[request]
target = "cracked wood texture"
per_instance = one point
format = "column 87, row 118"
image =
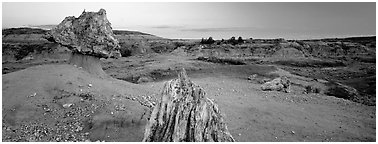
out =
column 186, row 114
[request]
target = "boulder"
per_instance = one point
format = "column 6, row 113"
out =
column 184, row 113
column 277, row 84
column 89, row 34
column 89, row 37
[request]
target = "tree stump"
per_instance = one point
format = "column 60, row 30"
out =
column 186, row 114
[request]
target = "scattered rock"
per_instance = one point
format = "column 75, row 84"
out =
column 277, row 84
column 258, row 79
column 188, row 113
column 33, row 95
column 252, row 77
column 120, row 108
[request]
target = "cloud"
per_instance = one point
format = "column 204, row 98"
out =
column 221, row 29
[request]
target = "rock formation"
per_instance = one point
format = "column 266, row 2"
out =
column 90, row 37
column 277, row 84
column 185, row 114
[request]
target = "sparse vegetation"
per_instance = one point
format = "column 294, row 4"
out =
column 22, row 50
column 86, row 96
column 17, row 31
column 210, row 40
column 311, row 89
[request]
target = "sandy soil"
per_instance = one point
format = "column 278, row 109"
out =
column 101, row 109
column 112, row 113
column 255, row 115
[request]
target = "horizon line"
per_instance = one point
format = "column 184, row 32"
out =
column 327, row 37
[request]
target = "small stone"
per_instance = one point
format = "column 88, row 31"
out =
column 33, row 95
column 79, row 128
column 89, row 85
column 293, row 132
column 67, row 105
column 239, row 134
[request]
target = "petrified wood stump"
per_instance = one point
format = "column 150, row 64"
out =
column 186, row 114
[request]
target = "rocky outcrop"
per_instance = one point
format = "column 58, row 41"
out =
column 89, row 34
column 90, row 37
column 277, row 84
column 186, row 114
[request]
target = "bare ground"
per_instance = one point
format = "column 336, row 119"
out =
column 108, row 109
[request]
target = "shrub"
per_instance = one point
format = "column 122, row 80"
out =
column 125, row 52
column 240, row 40
column 311, row 89
column 210, row 40
column 86, row 96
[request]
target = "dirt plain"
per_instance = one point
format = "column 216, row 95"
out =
column 46, row 99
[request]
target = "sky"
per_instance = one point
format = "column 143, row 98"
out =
column 289, row 20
